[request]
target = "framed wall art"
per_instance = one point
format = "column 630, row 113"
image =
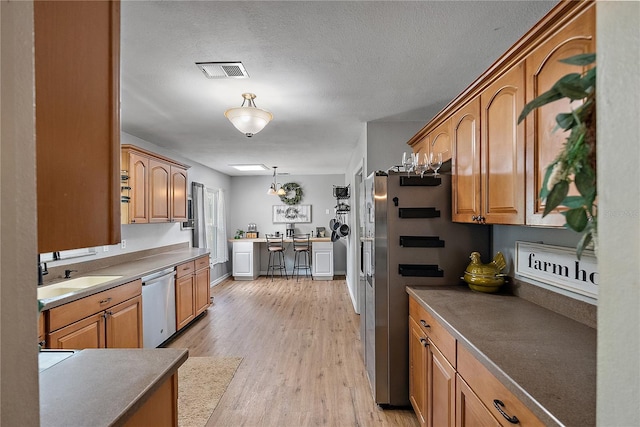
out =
column 296, row 213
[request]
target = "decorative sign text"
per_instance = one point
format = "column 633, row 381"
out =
column 558, row 266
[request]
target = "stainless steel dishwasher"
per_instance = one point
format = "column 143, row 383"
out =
column 158, row 307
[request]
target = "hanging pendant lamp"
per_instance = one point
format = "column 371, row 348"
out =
column 273, row 189
column 248, row 119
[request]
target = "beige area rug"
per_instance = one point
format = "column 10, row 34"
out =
column 201, row 383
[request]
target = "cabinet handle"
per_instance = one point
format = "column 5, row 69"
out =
column 424, row 342
column 425, row 324
column 133, row 220
column 499, row 405
column 474, row 218
column 105, row 301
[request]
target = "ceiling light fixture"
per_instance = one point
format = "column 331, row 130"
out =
column 250, row 167
column 250, row 119
column 273, row 189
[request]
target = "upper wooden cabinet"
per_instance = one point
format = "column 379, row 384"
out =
column 154, row 188
column 502, row 150
column 77, row 74
column 544, row 142
column 440, row 140
column 497, row 164
column 465, row 162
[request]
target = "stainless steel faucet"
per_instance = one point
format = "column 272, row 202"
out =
column 67, row 273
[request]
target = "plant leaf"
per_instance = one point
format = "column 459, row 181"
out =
column 584, row 243
column 581, row 59
column 585, row 183
column 565, row 120
column 570, row 86
column 573, row 202
column 577, row 219
column 556, row 196
column 551, row 95
column 589, row 79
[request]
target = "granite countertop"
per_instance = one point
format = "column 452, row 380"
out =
column 129, row 271
column 103, row 387
column 545, row 359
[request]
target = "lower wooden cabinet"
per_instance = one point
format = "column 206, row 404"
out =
column 470, row 412
column 192, row 290
column 432, row 389
column 161, row 409
column 114, row 320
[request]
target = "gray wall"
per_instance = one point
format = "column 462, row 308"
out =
column 250, row 203
column 386, row 141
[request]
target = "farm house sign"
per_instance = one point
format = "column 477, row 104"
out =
column 558, row 266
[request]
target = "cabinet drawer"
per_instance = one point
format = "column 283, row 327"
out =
column 202, row 262
column 79, row 309
column 184, row 269
column 488, row 389
column 445, row 342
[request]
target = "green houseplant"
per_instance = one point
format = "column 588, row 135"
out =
column 576, row 162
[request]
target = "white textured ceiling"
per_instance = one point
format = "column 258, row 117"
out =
column 322, row 68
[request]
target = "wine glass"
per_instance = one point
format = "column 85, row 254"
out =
column 408, row 161
column 422, row 164
column 435, row 161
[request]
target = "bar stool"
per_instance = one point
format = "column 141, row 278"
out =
column 275, row 247
column 302, row 256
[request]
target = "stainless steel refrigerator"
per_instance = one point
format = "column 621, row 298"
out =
column 409, row 241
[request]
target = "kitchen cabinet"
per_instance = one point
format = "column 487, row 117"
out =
column 41, row 333
column 502, row 150
column 160, row 409
column 431, row 373
column 322, row 265
column 440, row 140
column 192, row 290
column 202, row 285
column 77, row 77
column 246, row 260
column 107, row 319
column 154, row 188
column 448, row 386
column 544, row 141
column 491, row 393
column 470, row 412
column 465, row 163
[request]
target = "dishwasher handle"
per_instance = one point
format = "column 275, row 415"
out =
column 157, row 276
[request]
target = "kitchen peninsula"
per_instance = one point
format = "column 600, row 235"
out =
column 246, row 257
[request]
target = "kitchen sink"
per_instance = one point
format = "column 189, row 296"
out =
column 72, row 285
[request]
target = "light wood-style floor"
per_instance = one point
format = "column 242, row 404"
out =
column 302, row 356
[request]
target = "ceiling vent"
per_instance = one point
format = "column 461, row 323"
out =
column 223, row 70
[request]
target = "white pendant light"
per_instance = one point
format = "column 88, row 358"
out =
column 273, row 189
column 250, row 119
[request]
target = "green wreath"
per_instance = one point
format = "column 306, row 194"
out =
column 291, row 199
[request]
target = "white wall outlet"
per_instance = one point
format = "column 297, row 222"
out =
column 327, row 212
column 105, row 248
column 123, row 244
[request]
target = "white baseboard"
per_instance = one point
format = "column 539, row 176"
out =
column 219, row 280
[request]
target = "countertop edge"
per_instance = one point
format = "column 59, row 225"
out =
column 536, row 407
column 148, row 392
column 181, row 256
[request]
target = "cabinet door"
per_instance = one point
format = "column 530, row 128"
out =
column 124, row 324
column 322, row 260
column 159, row 191
column 185, row 311
column 544, row 142
column 441, row 389
column 202, row 290
column 178, row 193
column 470, row 412
column 440, row 140
column 465, row 164
column 139, row 183
column 418, row 371
column 77, row 75
column 85, row 333
column 503, row 149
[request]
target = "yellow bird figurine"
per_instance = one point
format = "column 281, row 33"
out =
column 485, row 277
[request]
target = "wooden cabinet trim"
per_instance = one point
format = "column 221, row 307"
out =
column 151, row 154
